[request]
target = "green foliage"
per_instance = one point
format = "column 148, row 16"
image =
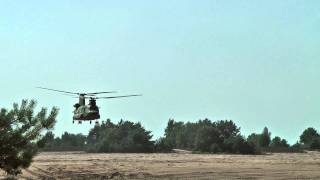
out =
column 254, row 139
column 281, row 145
column 265, row 138
column 310, row 139
column 174, row 134
column 207, row 136
column 315, row 144
column 20, row 134
column 161, row 145
column 308, row 136
column 238, row 144
column 67, row 142
column 201, row 136
column 277, row 142
column 263, row 143
column 124, row 137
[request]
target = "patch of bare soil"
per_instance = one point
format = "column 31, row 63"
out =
column 78, row 165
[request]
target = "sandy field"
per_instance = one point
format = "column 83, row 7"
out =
column 78, row 165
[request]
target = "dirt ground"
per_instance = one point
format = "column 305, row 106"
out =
column 78, row 165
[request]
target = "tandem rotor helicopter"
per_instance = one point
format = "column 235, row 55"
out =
column 88, row 112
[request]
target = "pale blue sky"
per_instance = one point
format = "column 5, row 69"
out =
column 251, row 61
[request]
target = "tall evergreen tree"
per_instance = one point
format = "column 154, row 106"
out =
column 20, row 134
column 265, row 138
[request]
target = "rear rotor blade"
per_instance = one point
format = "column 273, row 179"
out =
column 58, row 90
column 112, row 97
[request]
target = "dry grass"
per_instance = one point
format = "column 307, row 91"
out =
column 76, row 165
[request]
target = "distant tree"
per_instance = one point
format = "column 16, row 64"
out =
column 73, row 140
column 124, row 137
column 297, row 145
column 237, row 144
column 174, row 134
column 308, row 135
column 20, row 134
column 207, row 136
column 265, row 138
column 315, row 144
column 277, row 142
column 285, row 143
column 49, row 137
column 227, row 128
column 67, row 142
column 161, row 145
column 254, row 139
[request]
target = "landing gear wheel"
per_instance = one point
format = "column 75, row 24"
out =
column 90, row 122
column 73, row 122
column 80, row 122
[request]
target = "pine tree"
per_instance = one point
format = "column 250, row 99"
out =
column 265, row 138
column 20, row 134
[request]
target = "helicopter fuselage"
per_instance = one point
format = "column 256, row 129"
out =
column 84, row 112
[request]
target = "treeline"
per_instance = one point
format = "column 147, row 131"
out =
column 124, row 137
column 202, row 136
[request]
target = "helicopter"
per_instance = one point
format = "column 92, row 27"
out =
column 88, row 112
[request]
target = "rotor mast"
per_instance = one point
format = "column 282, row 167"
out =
column 82, row 100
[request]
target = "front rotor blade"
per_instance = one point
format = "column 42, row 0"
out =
column 111, row 97
column 70, row 95
column 58, row 90
column 88, row 94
